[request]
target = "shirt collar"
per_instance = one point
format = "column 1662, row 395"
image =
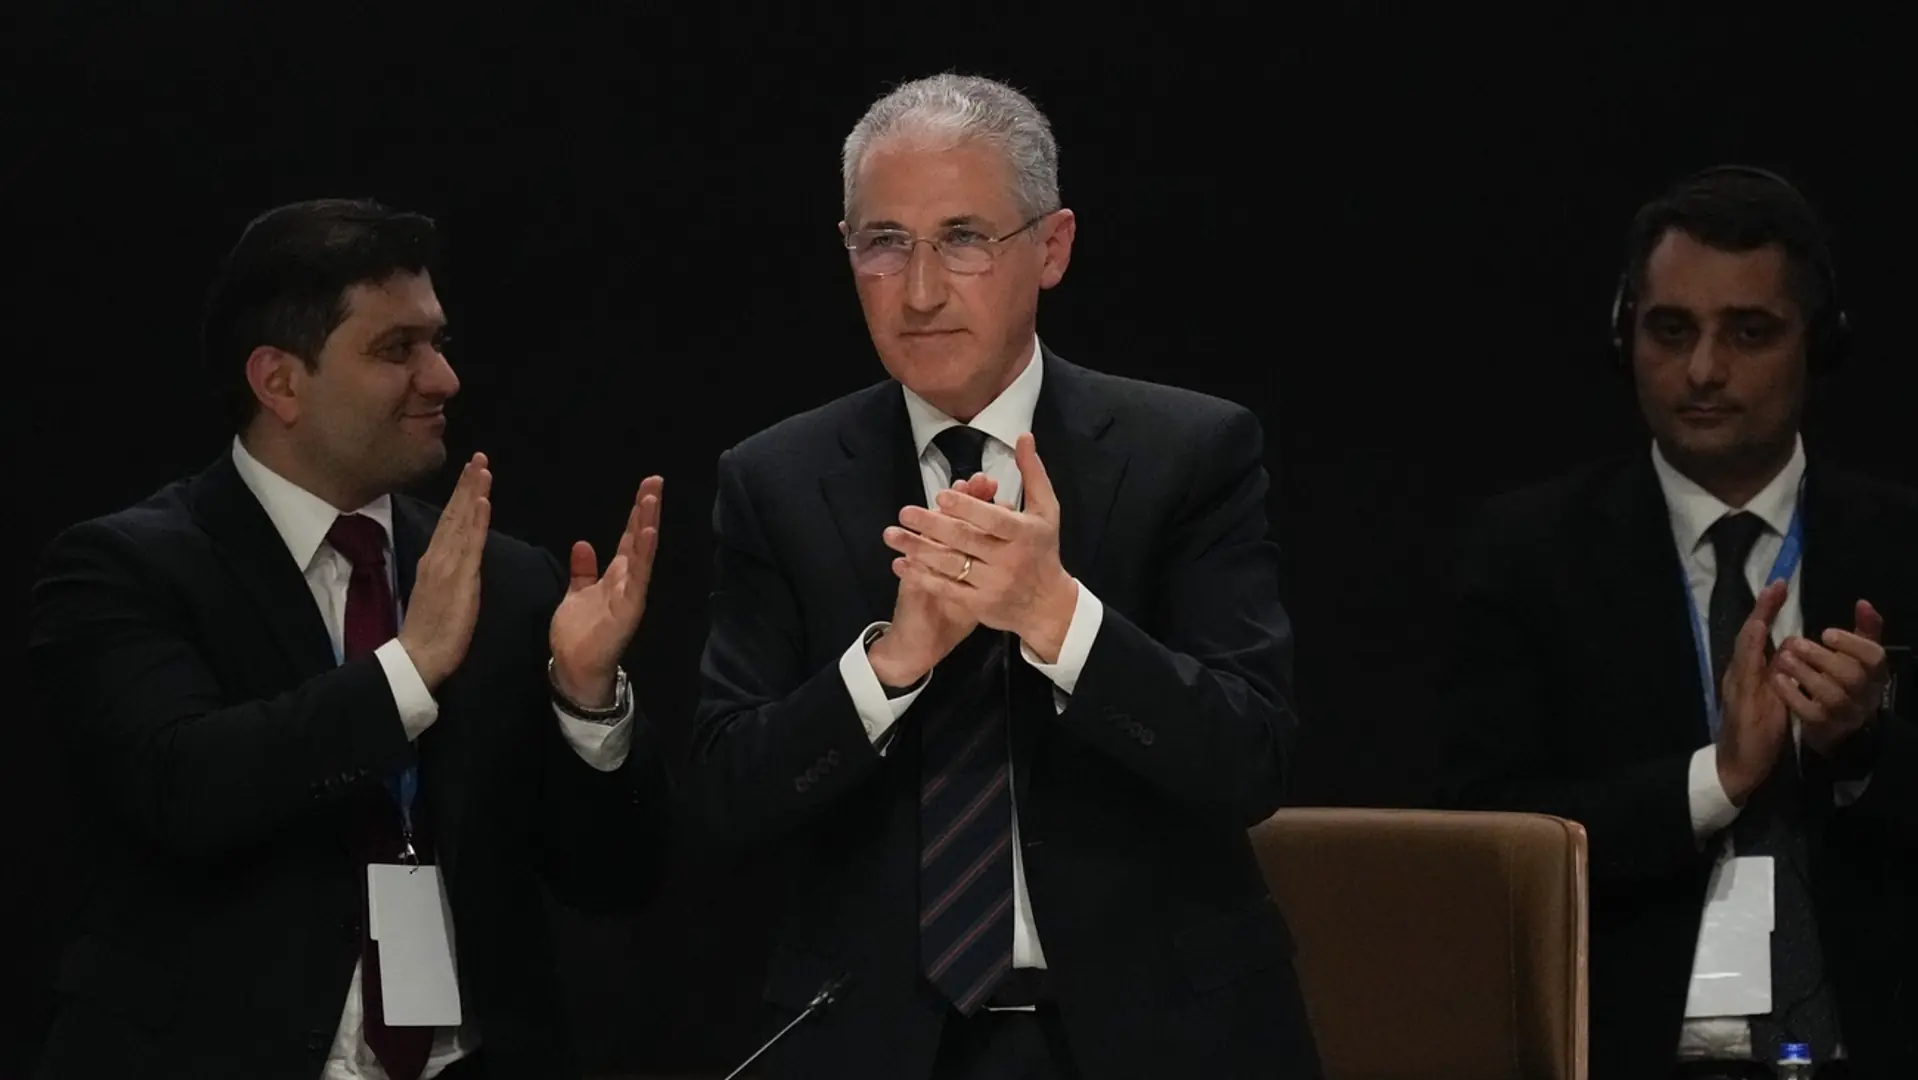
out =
column 1695, row 510
column 1008, row 417
column 302, row 518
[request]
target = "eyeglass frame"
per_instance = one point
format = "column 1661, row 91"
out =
column 912, row 244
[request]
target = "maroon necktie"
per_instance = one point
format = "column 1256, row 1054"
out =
column 372, row 621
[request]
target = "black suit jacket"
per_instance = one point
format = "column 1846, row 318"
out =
column 218, row 750
column 1165, row 949
column 1573, row 689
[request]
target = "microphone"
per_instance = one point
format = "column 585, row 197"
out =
column 828, row 993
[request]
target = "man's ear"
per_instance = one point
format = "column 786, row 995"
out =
column 1060, row 231
column 274, row 375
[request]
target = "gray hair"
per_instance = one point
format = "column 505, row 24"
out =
column 947, row 110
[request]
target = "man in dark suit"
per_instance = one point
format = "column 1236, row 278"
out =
column 1010, row 751
column 1685, row 651
column 278, row 680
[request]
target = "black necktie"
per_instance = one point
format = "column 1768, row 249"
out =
column 965, row 804
column 1772, row 823
column 964, row 448
column 1732, row 601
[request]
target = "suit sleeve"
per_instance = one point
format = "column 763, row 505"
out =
column 774, row 744
column 1890, row 800
column 116, row 663
column 1501, row 713
column 606, row 834
column 1202, row 707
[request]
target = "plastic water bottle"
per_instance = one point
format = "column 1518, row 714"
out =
column 1794, row 1061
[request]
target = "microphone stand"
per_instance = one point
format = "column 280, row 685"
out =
column 827, row 994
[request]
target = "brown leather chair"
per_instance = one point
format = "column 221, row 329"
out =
column 1436, row 945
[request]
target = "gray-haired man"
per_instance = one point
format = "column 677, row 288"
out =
column 1009, row 718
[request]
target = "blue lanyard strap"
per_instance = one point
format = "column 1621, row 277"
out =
column 1782, row 569
column 404, row 788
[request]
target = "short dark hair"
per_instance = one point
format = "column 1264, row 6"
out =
column 284, row 283
column 1734, row 210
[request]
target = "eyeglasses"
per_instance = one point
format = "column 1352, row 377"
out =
column 963, row 250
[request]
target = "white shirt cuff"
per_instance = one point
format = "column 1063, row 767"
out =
column 417, row 708
column 1088, row 613
column 1712, row 809
column 877, row 712
column 601, row 744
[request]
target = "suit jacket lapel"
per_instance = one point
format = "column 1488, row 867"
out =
column 256, row 555
column 412, row 530
column 1838, row 539
column 1067, row 428
column 880, row 477
column 1635, row 561
column 445, row 747
column 1840, row 547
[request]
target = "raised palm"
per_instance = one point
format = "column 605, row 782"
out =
column 600, row 612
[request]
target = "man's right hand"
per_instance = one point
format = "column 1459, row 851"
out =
column 1755, row 725
column 923, row 629
column 446, row 588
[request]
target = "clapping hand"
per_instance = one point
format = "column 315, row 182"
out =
column 601, row 612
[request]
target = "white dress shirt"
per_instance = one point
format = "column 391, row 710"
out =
column 1008, row 417
column 1693, row 512
column 303, row 519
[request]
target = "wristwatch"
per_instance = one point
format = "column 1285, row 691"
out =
column 1857, row 757
column 622, row 699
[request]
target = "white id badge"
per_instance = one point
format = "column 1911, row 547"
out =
column 1732, row 973
column 409, row 917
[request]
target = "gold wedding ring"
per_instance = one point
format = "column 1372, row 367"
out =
column 964, row 570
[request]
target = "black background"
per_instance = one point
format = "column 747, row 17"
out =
column 1394, row 239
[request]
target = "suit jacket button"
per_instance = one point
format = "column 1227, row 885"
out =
column 832, row 757
column 801, row 784
column 1146, row 736
column 318, row 1040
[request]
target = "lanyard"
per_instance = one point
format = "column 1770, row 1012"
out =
column 1782, row 568
column 403, row 788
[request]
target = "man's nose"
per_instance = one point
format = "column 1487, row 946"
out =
column 1706, row 365
column 925, row 278
column 437, row 379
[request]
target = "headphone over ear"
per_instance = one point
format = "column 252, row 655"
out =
column 1827, row 339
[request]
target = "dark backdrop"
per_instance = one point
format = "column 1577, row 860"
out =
column 1395, row 241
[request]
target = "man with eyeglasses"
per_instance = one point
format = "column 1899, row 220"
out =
column 997, row 662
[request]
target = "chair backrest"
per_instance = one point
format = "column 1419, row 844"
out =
column 1436, row 945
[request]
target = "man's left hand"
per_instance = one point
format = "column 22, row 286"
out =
column 1002, row 565
column 598, row 617
column 1836, row 687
